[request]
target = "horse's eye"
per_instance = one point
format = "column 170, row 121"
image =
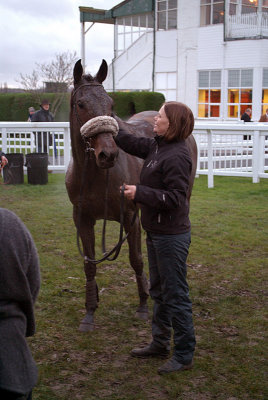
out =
column 80, row 104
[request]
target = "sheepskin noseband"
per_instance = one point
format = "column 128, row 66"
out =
column 98, row 125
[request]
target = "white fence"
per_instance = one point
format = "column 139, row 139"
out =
column 20, row 137
column 232, row 149
column 224, row 148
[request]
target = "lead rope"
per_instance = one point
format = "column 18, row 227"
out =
column 116, row 249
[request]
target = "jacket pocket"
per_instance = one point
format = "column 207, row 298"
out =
column 163, row 218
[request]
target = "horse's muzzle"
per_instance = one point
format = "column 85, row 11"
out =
column 106, row 159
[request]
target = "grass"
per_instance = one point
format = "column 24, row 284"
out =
column 227, row 277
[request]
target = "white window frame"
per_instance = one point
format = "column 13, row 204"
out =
column 209, row 87
column 264, row 106
column 166, row 11
column 211, row 4
column 240, row 88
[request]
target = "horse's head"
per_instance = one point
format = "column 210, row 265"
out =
column 90, row 100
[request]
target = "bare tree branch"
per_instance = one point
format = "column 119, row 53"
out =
column 58, row 72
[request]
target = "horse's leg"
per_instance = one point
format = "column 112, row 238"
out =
column 135, row 257
column 87, row 235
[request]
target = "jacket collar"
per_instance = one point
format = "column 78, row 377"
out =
column 160, row 140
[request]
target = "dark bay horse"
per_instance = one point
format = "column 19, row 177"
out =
column 89, row 100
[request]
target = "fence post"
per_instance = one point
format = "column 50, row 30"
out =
column 210, row 160
column 67, row 147
column 261, row 154
column 4, row 140
column 255, row 158
column 197, row 139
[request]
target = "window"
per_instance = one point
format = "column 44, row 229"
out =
column 211, row 12
column 209, row 94
column 166, row 14
column 166, row 83
column 131, row 28
column 240, row 84
column 249, row 6
column 264, row 90
column 233, row 7
column 265, row 6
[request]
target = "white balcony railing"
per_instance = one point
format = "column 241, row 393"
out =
column 224, row 148
column 242, row 26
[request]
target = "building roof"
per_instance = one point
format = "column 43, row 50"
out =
column 125, row 8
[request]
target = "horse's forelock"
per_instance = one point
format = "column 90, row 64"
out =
column 88, row 78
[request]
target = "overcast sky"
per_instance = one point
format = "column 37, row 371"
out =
column 34, row 31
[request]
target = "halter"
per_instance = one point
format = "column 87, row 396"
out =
column 73, row 96
column 85, row 84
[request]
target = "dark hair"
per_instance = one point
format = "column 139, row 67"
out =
column 181, row 121
column 44, row 102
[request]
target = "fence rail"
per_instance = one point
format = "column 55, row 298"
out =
column 232, row 149
column 224, row 148
column 247, row 25
column 21, row 137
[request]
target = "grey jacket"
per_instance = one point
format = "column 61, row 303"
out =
column 42, row 116
column 19, row 286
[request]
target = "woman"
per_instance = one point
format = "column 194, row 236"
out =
column 162, row 195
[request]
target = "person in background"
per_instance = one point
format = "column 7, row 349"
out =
column 3, row 160
column 162, row 196
column 43, row 138
column 246, row 117
column 31, row 111
column 19, row 287
column 264, row 117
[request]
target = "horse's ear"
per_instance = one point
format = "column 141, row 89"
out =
column 102, row 72
column 78, row 71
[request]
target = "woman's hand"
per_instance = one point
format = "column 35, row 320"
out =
column 130, row 191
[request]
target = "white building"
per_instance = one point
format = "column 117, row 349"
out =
column 210, row 54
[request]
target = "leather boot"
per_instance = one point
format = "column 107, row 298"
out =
column 150, row 351
column 173, row 365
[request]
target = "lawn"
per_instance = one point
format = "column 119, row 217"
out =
column 227, row 276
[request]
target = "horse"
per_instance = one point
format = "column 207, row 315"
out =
column 89, row 100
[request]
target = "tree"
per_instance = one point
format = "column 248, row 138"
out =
column 56, row 75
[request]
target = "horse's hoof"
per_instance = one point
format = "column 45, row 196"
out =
column 84, row 327
column 87, row 324
column 142, row 315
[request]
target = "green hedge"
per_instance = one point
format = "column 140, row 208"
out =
column 129, row 103
column 14, row 106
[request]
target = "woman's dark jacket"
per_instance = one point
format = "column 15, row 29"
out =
column 164, row 181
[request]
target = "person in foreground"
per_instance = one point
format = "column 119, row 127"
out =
column 162, row 195
column 19, row 287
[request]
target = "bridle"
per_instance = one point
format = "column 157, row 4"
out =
column 114, row 252
column 74, row 104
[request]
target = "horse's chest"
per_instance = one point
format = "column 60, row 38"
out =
column 95, row 202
